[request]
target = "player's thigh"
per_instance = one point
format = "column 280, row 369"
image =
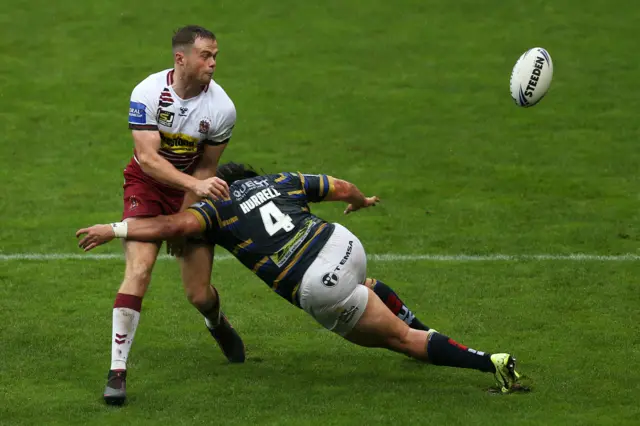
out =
column 196, row 264
column 378, row 327
column 142, row 200
column 330, row 290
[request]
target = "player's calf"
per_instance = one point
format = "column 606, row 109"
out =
column 379, row 327
column 207, row 302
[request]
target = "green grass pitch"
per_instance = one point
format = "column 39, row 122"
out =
column 409, row 99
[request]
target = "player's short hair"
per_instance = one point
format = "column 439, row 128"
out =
column 186, row 36
column 231, row 172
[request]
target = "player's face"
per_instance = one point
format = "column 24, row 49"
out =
column 201, row 60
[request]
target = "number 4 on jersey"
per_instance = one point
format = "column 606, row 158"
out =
column 274, row 220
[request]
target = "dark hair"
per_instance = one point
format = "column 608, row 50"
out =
column 231, row 172
column 186, row 36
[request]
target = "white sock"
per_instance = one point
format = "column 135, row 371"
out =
column 125, row 322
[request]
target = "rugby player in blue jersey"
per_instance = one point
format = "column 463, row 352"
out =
column 317, row 266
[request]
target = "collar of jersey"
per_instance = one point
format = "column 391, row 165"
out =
column 205, row 88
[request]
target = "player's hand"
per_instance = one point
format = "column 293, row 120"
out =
column 368, row 202
column 214, row 187
column 96, row 236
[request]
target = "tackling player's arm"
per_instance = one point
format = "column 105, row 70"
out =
column 349, row 193
column 327, row 188
column 150, row 229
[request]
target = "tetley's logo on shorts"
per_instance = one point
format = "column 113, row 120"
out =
column 137, row 113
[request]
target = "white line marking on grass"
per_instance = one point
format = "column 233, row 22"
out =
column 384, row 257
column 501, row 257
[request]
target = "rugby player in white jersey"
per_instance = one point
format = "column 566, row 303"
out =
column 317, row 266
column 181, row 121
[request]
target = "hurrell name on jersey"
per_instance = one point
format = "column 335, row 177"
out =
column 258, row 199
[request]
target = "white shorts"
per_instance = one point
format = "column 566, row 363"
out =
column 331, row 290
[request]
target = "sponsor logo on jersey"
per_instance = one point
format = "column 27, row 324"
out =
column 165, row 118
column 183, row 111
column 137, row 114
column 281, row 257
column 249, row 185
column 178, row 143
column 205, row 125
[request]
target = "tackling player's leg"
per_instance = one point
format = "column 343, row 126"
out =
column 378, row 327
column 196, row 265
column 140, row 258
column 393, row 302
column 355, row 312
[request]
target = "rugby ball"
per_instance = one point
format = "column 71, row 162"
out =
column 531, row 77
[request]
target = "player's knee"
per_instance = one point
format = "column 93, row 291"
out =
column 140, row 261
column 197, row 295
column 197, row 298
column 138, row 275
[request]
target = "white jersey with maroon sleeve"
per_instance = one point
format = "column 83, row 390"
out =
column 185, row 126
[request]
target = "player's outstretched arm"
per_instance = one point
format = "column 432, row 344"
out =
column 349, row 193
column 151, row 229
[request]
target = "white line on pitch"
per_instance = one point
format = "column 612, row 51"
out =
column 384, row 257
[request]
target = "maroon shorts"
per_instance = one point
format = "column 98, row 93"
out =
column 145, row 197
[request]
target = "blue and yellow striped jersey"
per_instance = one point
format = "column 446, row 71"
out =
column 267, row 225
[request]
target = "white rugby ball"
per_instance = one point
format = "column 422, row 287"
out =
column 531, row 77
